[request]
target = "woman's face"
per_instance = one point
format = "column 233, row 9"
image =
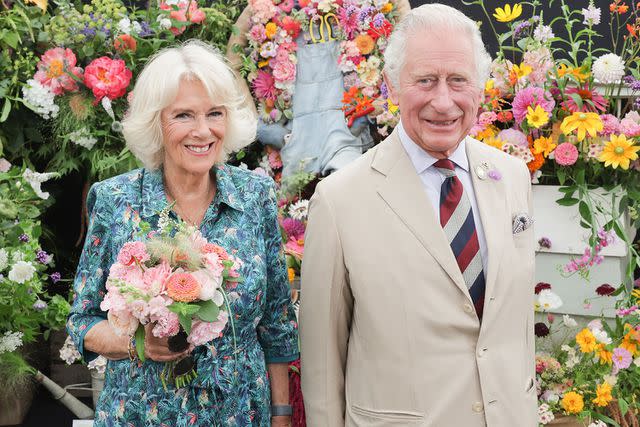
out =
column 192, row 130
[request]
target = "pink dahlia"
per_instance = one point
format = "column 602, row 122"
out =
column 107, row 77
column 610, row 124
column 258, row 33
column 348, row 17
column 566, row 154
column 531, row 96
column 264, row 86
column 293, row 228
column 592, row 101
column 630, row 124
column 54, row 68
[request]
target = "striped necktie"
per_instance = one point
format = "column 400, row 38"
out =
column 456, row 219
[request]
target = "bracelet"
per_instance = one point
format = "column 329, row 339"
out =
column 281, row 410
column 133, row 355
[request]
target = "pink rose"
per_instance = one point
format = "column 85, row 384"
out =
column 284, row 71
column 122, row 322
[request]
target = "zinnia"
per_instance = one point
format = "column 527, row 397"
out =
column 365, row 43
column 107, row 77
column 264, row 86
column 53, row 70
column 586, row 340
column 619, row 151
column 183, row 287
column 572, row 402
column 566, row 154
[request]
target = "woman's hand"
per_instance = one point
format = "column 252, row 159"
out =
column 158, row 348
column 281, row 421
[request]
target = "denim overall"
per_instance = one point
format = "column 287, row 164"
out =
column 320, row 140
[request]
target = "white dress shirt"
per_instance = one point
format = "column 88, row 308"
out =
column 432, row 181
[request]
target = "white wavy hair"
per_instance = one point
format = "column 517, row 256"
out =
column 157, row 87
column 435, row 17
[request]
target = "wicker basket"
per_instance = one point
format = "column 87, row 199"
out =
column 630, row 419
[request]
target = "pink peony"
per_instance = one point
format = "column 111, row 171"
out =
column 203, row 332
column 531, row 96
column 209, row 284
column 54, row 68
column 258, row 33
column 566, row 154
column 166, row 326
column 107, row 77
column 122, row 322
column 140, row 310
column 264, row 86
column 284, row 71
column 158, row 308
column 610, row 123
column 133, row 253
column 263, row 10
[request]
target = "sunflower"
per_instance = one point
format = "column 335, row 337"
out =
column 584, row 123
column 507, row 14
column 619, row 151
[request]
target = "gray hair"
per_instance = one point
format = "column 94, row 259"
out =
column 434, row 16
column 157, row 87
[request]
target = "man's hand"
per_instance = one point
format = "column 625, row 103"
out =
column 281, row 421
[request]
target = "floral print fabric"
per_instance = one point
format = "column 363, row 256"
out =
column 231, row 388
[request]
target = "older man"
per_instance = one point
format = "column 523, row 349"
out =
column 418, row 305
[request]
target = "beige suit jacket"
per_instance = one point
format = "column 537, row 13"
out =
column 389, row 334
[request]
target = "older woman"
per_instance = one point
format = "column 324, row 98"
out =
column 186, row 115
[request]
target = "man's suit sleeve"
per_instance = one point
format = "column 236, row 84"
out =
column 325, row 317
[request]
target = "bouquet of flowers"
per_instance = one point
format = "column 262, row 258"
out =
column 176, row 281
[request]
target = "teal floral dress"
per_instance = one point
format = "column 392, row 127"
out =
column 232, row 388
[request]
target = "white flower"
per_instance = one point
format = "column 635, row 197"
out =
column 21, row 272
column 99, row 364
column 4, row 165
column 165, row 23
column 39, row 98
column 299, row 210
column 35, row 179
column 591, row 15
column 601, row 336
column 83, row 138
column 547, row 300
column 543, row 33
column 4, row 258
column 608, row 68
column 611, row 379
column 10, row 341
column 597, row 423
column 68, row 352
column 137, row 28
column 545, row 416
column 636, row 361
column 568, row 321
column 124, row 25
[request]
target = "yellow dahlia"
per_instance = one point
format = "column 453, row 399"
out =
column 586, row 341
column 619, row 151
column 572, row 402
column 584, row 123
column 507, row 14
column 603, row 394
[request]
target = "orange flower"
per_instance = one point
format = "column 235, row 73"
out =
column 586, row 341
column 386, row 8
column 365, row 43
column 604, row 355
column 183, row 287
column 125, row 42
column 291, row 273
column 632, row 30
column 536, row 163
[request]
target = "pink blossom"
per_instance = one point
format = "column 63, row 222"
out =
column 197, row 240
column 622, row 312
column 610, row 123
column 595, row 324
column 53, row 69
column 122, row 322
column 541, row 62
column 158, row 308
column 621, row 358
column 294, row 247
column 166, row 326
column 203, row 332
column 258, row 33
column 275, row 161
column 132, row 275
column 113, row 300
column 4, row 165
column 284, row 71
column 209, row 285
column 286, row 6
column 348, row 18
column 140, row 310
column 185, row 10
column 213, row 263
column 263, row 10
column 514, row 137
column 155, row 277
column 629, row 127
column 264, row 86
column 293, row 228
column 531, row 97
column 487, row 118
column 107, row 77
column 566, row 154
column 133, row 253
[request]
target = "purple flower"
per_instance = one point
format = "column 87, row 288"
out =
column 605, row 290
column 23, row 238
column 541, row 330
column 55, row 277
column 632, row 82
column 39, row 305
column 495, row 175
column 545, row 242
column 621, row 358
column 42, row 257
column 378, row 20
column 293, row 227
column 384, row 91
column 145, row 29
column 520, row 29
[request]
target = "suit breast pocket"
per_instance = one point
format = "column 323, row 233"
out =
column 385, row 417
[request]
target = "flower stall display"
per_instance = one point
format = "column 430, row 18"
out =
column 27, row 309
column 177, row 282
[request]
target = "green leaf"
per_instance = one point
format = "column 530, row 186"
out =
column 140, row 342
column 580, row 177
column 604, row 418
column 577, row 99
column 585, row 212
column 185, row 322
column 183, row 308
column 562, row 175
column 208, row 311
column 567, row 201
column 12, row 39
column 5, row 110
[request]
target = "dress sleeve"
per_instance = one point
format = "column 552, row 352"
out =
column 93, row 269
column 278, row 328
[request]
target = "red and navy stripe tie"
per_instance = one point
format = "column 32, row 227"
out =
column 456, row 218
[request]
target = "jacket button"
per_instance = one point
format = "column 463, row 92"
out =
column 468, row 308
column 481, row 352
column 477, row 407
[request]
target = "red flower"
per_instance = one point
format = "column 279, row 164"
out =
column 125, row 42
column 384, row 30
column 605, row 290
column 542, row 286
column 107, row 77
column 541, row 330
column 505, row 116
column 184, row 14
column 291, row 26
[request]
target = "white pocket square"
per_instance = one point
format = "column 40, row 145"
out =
column 521, row 222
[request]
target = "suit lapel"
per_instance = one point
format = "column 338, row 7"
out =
column 491, row 198
column 403, row 192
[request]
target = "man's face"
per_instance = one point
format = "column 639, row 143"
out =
column 438, row 92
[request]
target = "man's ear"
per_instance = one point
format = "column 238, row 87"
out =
column 392, row 90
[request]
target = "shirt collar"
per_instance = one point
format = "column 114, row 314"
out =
column 422, row 160
column 154, row 199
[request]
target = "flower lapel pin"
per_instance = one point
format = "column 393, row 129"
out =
column 484, row 171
